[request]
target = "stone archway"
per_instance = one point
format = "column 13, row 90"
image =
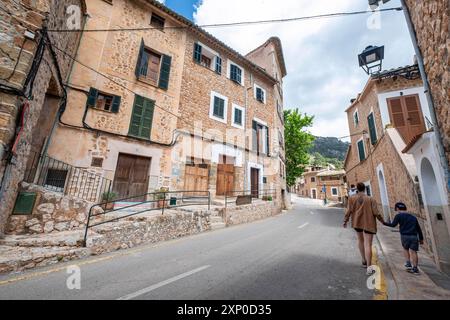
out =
column 435, row 207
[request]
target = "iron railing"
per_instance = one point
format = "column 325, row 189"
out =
column 265, row 194
column 157, row 200
column 64, row 178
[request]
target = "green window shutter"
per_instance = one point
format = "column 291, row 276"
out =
column 116, row 104
column 219, row 65
column 235, row 73
column 254, row 135
column 197, row 52
column 219, row 107
column 267, row 140
column 92, row 97
column 139, row 60
column 362, row 153
column 372, row 130
column 259, row 95
column 142, row 117
column 238, row 116
column 165, row 72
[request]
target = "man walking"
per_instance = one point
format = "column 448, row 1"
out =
column 363, row 211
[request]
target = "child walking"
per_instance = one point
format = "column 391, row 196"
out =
column 411, row 236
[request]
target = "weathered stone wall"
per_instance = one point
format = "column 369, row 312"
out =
column 13, row 166
column 52, row 212
column 248, row 213
column 431, row 23
column 127, row 234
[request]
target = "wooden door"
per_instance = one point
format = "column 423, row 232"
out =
column 225, row 179
column 196, row 179
column 131, row 178
column 314, row 193
column 254, row 182
column 406, row 116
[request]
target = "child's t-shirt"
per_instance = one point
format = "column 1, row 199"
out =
column 408, row 225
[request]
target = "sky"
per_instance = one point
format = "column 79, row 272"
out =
column 321, row 54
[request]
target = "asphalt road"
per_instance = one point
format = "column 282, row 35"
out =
column 301, row 254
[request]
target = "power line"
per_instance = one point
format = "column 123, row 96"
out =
column 233, row 24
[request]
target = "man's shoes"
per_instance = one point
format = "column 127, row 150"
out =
column 408, row 265
column 414, row 271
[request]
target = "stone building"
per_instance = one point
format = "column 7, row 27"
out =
column 430, row 27
column 387, row 117
column 31, row 76
column 169, row 107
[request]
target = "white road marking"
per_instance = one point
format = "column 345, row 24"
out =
column 161, row 284
column 312, row 212
column 303, row 225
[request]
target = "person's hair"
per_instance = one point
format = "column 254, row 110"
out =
column 361, row 187
column 352, row 186
column 400, row 206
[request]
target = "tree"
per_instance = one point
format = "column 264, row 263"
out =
column 298, row 142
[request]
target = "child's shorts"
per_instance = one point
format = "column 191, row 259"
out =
column 410, row 242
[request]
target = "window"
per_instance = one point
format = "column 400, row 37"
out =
column 334, row 191
column 207, row 58
column 56, row 179
column 356, row 118
column 97, row 162
column 238, row 117
column 372, row 128
column 260, row 137
column 235, row 73
column 103, row 101
column 157, row 21
column 361, row 150
column 218, row 107
column 313, row 179
column 368, row 189
column 260, row 94
column 142, row 117
column 153, row 68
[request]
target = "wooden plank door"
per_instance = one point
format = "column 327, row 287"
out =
column 225, row 179
column 196, row 179
column 406, row 116
column 254, row 182
column 131, row 177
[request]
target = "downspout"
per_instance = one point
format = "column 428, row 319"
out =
column 246, row 173
column 426, row 84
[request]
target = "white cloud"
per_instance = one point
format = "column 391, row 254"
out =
column 162, row 1
column 321, row 54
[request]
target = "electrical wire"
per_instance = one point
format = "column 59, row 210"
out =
column 234, row 24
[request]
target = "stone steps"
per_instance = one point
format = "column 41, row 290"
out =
column 55, row 239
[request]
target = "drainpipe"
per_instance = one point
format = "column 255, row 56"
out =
column 245, row 132
column 420, row 62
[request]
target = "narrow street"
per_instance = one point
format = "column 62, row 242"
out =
column 301, row 254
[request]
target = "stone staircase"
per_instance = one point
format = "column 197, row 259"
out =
column 216, row 220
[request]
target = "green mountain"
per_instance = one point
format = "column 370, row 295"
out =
column 328, row 150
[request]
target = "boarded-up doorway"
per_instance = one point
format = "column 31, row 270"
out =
column 196, row 179
column 132, row 176
column 225, row 176
column 254, row 182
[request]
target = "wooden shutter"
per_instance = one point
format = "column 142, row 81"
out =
column 254, row 135
column 139, row 60
column 142, row 117
column 92, row 97
column 219, row 107
column 267, row 140
column 372, row 129
column 197, row 52
column 361, row 151
column 165, row 72
column 235, row 74
column 398, row 117
column 116, row 104
column 238, row 116
column 219, row 65
column 416, row 123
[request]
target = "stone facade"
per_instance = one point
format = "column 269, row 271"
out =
column 23, row 88
column 431, row 24
column 248, row 213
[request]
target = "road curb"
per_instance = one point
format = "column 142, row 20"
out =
column 391, row 284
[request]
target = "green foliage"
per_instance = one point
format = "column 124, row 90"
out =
column 329, row 147
column 298, row 142
column 319, row 160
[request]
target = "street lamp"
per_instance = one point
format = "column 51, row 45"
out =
column 371, row 58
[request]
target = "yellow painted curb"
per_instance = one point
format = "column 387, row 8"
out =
column 380, row 294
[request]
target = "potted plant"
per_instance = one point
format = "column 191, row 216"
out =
column 108, row 197
column 160, row 197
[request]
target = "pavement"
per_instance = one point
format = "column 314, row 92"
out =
column 303, row 253
column 431, row 284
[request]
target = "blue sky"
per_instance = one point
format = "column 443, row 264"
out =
column 183, row 7
column 321, row 55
